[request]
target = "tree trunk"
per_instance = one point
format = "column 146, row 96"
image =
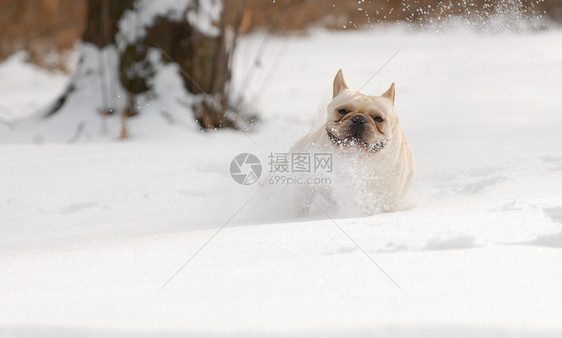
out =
column 128, row 42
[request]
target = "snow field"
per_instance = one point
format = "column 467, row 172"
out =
column 89, row 232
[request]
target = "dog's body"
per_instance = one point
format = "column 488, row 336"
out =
column 364, row 130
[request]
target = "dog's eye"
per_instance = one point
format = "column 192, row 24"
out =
column 342, row 111
column 378, row 119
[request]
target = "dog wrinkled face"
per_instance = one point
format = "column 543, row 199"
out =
column 359, row 121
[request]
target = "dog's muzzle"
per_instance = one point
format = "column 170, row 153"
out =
column 354, row 141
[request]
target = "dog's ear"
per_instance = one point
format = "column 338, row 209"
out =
column 389, row 94
column 339, row 84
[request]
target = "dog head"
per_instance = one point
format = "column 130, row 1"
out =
column 360, row 121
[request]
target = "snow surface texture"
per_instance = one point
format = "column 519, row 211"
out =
column 90, row 232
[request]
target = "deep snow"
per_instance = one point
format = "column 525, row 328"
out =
column 89, row 232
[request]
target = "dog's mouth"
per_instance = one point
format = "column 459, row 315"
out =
column 358, row 142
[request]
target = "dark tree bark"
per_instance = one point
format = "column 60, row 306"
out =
column 101, row 20
column 204, row 58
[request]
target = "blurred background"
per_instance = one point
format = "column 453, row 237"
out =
column 49, row 29
column 117, row 52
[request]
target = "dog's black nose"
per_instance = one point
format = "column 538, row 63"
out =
column 360, row 119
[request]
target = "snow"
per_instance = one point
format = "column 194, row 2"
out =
column 207, row 15
column 16, row 76
column 134, row 23
column 90, row 231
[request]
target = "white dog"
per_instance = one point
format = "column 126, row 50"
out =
column 362, row 132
